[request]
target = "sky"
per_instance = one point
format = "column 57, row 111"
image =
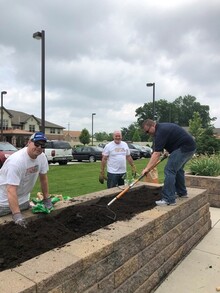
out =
column 99, row 55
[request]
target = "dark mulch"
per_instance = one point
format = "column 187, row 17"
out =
column 18, row 244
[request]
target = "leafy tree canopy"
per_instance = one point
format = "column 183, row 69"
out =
column 84, row 136
column 180, row 111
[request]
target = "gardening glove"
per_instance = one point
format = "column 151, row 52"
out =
column 19, row 220
column 102, row 177
column 133, row 171
column 48, row 203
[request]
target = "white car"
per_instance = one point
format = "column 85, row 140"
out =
column 58, row 151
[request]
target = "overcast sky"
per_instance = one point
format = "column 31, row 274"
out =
column 101, row 53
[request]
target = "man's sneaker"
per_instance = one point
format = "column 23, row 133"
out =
column 172, row 204
column 184, row 196
column 163, row 202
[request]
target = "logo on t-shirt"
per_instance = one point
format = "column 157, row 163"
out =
column 32, row 170
column 119, row 150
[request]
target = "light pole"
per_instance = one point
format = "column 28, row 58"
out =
column 41, row 36
column 2, row 93
column 93, row 114
column 153, row 85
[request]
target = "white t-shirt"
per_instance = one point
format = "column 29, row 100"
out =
column 20, row 170
column 116, row 154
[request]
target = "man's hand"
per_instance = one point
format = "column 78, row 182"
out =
column 19, row 220
column 133, row 171
column 47, row 203
column 102, row 177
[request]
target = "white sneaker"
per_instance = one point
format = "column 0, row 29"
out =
column 162, row 202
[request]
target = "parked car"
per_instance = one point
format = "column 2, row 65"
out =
column 6, row 149
column 144, row 153
column 148, row 149
column 89, row 153
column 135, row 154
column 58, row 151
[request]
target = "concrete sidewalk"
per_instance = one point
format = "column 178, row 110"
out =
column 199, row 272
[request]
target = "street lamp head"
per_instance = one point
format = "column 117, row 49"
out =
column 4, row 93
column 93, row 114
column 150, row 84
column 37, row 35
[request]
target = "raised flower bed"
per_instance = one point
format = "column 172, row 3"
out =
column 133, row 255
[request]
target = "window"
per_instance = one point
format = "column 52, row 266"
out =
column 32, row 128
column 5, row 124
column 52, row 130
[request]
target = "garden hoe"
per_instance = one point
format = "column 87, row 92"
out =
column 133, row 183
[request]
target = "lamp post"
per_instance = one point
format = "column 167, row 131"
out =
column 93, row 114
column 153, row 85
column 2, row 93
column 41, row 36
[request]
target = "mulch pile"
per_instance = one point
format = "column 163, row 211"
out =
column 48, row 232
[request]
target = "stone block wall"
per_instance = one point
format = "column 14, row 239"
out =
column 125, row 257
column 211, row 184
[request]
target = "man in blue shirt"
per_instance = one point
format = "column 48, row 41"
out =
column 181, row 147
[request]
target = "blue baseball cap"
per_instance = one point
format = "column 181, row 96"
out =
column 37, row 136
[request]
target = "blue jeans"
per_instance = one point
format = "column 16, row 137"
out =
column 174, row 181
column 115, row 179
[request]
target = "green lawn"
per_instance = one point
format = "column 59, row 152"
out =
column 78, row 179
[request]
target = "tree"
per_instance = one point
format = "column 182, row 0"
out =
column 136, row 136
column 180, row 111
column 186, row 106
column 101, row 136
column 195, row 126
column 206, row 142
column 133, row 129
column 84, row 136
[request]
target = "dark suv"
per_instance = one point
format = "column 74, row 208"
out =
column 58, row 151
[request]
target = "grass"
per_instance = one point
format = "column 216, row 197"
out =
column 78, row 179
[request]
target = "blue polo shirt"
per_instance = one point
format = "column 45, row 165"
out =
column 171, row 137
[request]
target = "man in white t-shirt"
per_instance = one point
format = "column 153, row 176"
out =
column 114, row 156
column 18, row 176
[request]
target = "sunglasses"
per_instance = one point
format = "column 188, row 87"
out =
column 39, row 144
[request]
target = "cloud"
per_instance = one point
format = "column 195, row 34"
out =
column 101, row 54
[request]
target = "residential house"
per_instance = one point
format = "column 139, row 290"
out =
column 72, row 136
column 17, row 127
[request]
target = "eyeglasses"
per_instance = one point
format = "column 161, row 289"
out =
column 39, row 144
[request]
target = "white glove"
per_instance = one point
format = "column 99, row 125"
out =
column 19, row 220
column 47, row 203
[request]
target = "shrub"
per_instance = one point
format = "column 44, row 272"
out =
column 205, row 165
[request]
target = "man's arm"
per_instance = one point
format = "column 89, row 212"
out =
column 102, row 176
column 14, row 206
column 131, row 162
column 44, row 185
column 103, row 164
column 13, row 198
column 45, row 190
